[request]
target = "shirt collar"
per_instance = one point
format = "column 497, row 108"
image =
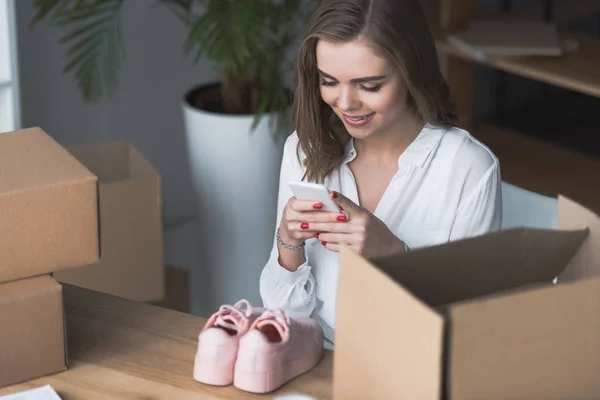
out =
column 416, row 154
column 350, row 151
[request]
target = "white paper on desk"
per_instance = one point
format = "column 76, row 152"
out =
column 41, row 393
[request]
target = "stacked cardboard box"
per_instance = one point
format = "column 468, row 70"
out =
column 48, row 222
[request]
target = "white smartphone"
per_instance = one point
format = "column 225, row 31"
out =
column 314, row 192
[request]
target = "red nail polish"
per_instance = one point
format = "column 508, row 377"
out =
column 317, row 206
column 304, row 225
column 317, row 236
column 333, row 195
column 341, row 218
column 324, row 243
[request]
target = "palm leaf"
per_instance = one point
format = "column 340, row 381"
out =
column 182, row 9
column 94, row 41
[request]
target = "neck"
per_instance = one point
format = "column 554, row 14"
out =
column 391, row 143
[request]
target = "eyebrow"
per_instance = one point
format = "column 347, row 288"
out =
column 355, row 80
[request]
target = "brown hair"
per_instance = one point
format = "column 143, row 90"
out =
column 398, row 30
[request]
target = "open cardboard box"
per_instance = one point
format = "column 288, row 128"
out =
column 132, row 263
column 475, row 319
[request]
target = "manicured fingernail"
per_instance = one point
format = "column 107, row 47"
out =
column 324, row 243
column 317, row 206
column 341, row 218
column 317, row 236
column 333, row 195
column 304, row 225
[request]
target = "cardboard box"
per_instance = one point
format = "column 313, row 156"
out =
column 48, row 207
column 132, row 262
column 32, row 337
column 475, row 319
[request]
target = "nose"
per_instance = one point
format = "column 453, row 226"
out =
column 347, row 99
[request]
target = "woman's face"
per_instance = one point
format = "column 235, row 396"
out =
column 362, row 88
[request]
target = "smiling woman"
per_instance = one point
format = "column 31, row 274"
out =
column 376, row 125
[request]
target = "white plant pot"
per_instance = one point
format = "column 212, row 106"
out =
column 235, row 177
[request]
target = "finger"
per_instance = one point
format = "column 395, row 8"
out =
column 336, row 247
column 302, row 227
column 331, row 246
column 295, row 232
column 304, row 205
column 314, row 216
column 351, row 208
column 335, row 227
column 336, row 238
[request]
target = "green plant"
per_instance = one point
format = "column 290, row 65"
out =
column 246, row 39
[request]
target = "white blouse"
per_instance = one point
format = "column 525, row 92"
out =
column 447, row 187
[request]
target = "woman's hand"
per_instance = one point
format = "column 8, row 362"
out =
column 298, row 219
column 363, row 232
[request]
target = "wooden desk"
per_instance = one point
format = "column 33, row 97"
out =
column 120, row 349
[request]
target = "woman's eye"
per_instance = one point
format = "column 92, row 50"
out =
column 328, row 83
column 371, row 89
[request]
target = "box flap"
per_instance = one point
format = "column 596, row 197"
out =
column 116, row 160
column 139, row 165
column 95, row 156
column 483, row 265
column 30, row 158
column 401, row 359
column 537, row 344
column 586, row 263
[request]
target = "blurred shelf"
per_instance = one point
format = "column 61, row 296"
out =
column 578, row 71
column 568, row 119
column 565, row 11
column 527, row 161
column 542, row 167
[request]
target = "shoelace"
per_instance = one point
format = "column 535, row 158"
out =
column 279, row 316
column 234, row 313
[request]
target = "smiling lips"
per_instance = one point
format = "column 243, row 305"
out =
column 358, row 120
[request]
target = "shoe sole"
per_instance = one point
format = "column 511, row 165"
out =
column 268, row 381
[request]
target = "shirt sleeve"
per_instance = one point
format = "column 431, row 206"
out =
column 292, row 291
column 480, row 207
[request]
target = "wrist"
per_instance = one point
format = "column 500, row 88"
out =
column 286, row 241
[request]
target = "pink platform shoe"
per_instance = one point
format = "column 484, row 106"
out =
column 275, row 350
column 218, row 342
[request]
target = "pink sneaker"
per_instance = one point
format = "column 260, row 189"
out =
column 275, row 350
column 218, row 342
